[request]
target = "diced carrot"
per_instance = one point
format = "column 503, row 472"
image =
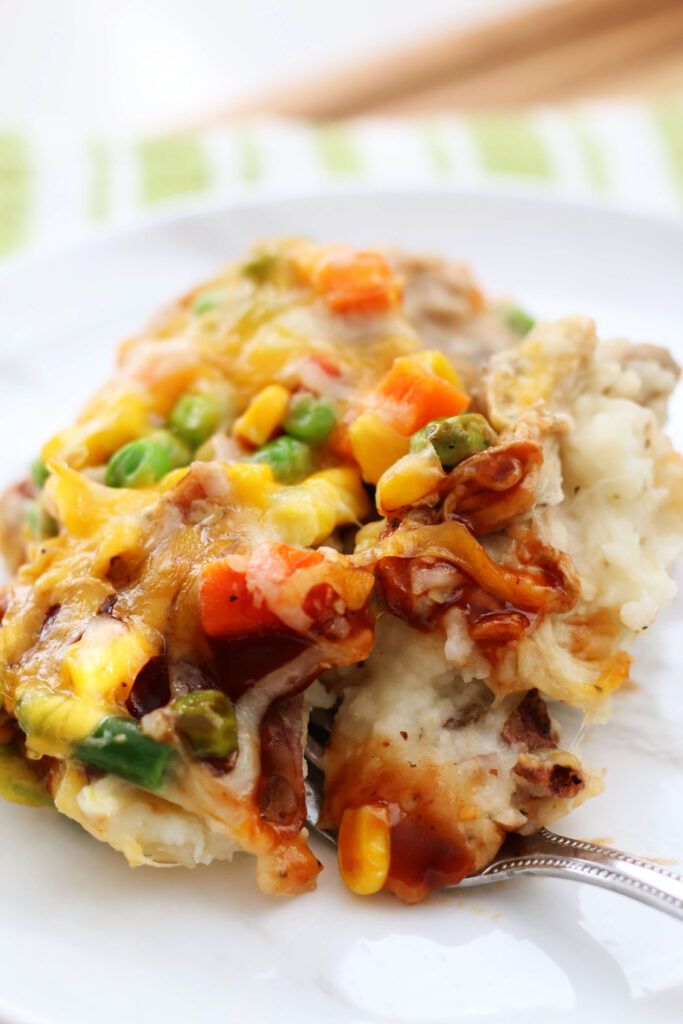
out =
column 477, row 299
column 339, row 443
column 357, row 282
column 226, row 606
column 290, row 558
column 326, row 364
column 410, row 396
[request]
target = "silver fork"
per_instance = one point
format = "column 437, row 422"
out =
column 543, row 853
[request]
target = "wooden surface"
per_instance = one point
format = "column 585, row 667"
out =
column 557, row 52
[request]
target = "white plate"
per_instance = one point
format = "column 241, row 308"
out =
column 83, row 938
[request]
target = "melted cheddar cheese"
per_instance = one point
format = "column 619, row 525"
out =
column 231, row 516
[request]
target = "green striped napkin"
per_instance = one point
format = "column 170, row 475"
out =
column 55, row 189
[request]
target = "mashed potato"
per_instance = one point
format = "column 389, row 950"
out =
column 143, row 827
column 616, row 500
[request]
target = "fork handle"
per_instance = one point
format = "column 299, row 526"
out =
column 545, row 853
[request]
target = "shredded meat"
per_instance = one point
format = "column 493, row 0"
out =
column 444, row 303
column 652, row 354
column 559, row 780
column 491, row 488
column 420, row 590
column 241, row 661
column 151, row 689
column 281, row 786
column 108, row 605
column 530, row 724
column 404, row 583
column 50, row 616
column 565, row 781
column 187, row 492
column 468, row 714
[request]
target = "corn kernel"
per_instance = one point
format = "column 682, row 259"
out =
column 411, row 478
column 168, row 482
column 468, row 812
column 103, row 427
column 365, row 848
column 252, row 483
column 369, row 535
column 104, row 663
column 351, row 499
column 53, row 721
column 436, row 362
column 307, row 514
column 301, row 518
column 84, row 506
column 375, row 445
column 263, row 415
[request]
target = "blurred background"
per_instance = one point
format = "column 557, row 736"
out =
column 153, row 65
column 144, row 65
column 114, row 108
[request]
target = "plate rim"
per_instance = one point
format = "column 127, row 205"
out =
column 185, row 212
column 606, row 213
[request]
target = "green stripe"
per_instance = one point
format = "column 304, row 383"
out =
column 15, row 191
column 591, row 153
column 99, row 195
column 170, row 168
column 249, row 158
column 669, row 120
column 511, row 144
column 439, row 158
column 338, row 150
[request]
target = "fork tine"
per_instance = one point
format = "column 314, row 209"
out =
column 543, row 853
column 313, row 788
column 318, row 737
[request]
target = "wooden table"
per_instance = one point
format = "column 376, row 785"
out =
column 556, row 52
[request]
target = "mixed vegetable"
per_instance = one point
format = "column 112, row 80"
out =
column 305, row 440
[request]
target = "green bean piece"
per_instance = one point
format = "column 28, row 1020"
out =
column 290, row 460
column 194, row 418
column 455, row 438
column 206, row 720
column 519, row 320
column 205, row 302
column 310, row 419
column 118, row 746
column 178, row 452
column 138, row 464
column 39, row 472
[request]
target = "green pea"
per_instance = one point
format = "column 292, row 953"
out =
column 119, row 746
column 206, row 719
column 519, row 320
column 205, row 302
column 39, row 472
column 455, row 437
column 261, row 267
column 178, row 452
column 19, row 780
column 194, row 418
column 138, row 464
column 310, row 419
column 40, row 524
column 290, row 460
